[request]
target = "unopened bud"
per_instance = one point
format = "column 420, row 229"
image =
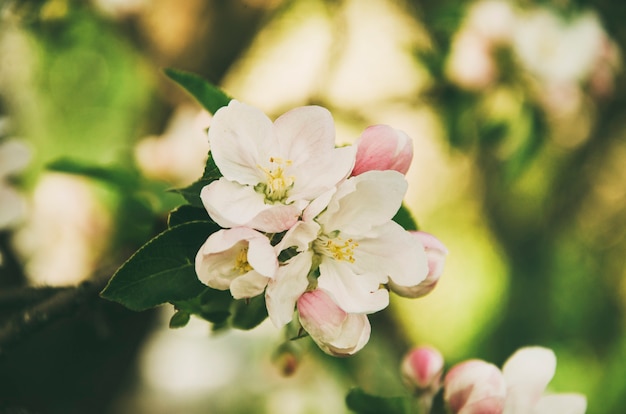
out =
column 421, row 370
column 382, row 148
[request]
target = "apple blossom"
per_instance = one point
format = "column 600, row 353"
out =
column 239, row 259
column 271, row 171
column 479, row 387
column 436, row 253
column 381, row 147
column 335, row 331
column 351, row 246
column 422, row 368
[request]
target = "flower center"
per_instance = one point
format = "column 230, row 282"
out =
column 336, row 247
column 241, row 262
column 277, row 183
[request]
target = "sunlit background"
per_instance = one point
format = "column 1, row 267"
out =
column 518, row 119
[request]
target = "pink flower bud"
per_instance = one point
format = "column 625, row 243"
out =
column 475, row 387
column 336, row 332
column 421, row 370
column 436, row 253
column 381, row 148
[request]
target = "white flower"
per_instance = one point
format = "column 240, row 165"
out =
column 349, row 240
column 477, row 387
column 271, row 171
column 239, row 259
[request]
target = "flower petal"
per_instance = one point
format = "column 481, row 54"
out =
column 365, row 201
column 527, row 372
column 304, row 132
column 473, row 385
column 336, row 332
column 382, row 147
column 248, row 285
column 352, row 292
column 230, row 204
column 240, row 138
column 569, row 403
column 392, row 251
column 284, row 290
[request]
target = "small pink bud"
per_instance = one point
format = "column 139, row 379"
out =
column 381, row 148
column 336, row 332
column 475, row 387
column 436, row 253
column 421, row 370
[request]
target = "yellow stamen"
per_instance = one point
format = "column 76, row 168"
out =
column 277, row 184
column 241, row 262
column 336, row 248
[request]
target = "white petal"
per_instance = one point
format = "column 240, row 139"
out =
column 354, row 336
column 319, row 174
column 364, row 201
column 284, row 290
column 352, row 292
column 474, row 384
column 241, row 138
column 261, row 256
column 527, row 372
column 562, row 404
column 305, row 132
column 230, row 204
column 248, row 285
column 299, row 236
column 392, row 251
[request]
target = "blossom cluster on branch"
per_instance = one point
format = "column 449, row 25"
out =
column 310, row 225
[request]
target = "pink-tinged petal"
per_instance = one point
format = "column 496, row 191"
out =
column 436, row 253
column 527, row 372
column 421, row 370
column 473, row 385
column 230, row 205
column 223, row 258
column 381, row 148
column 336, row 332
column 318, row 174
column 304, row 132
column 284, row 290
column 354, row 293
column 241, row 138
column 569, row 403
column 365, row 201
column 392, row 252
column 248, row 285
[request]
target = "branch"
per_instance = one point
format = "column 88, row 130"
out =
column 60, row 303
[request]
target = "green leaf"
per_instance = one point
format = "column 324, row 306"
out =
column 404, row 218
column 248, row 314
column 212, row 305
column 162, row 270
column 192, row 193
column 117, row 176
column 185, row 214
column 208, row 95
column 361, row 402
column 179, row 319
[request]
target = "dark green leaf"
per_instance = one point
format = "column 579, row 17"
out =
column 192, row 193
column 363, row 403
column 249, row 313
column 404, row 218
column 162, row 270
column 179, row 319
column 185, row 214
column 208, row 95
column 212, row 305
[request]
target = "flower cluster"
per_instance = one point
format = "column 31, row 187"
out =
column 309, row 225
column 476, row 386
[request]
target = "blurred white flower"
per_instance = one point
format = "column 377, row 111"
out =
column 471, row 64
column 558, row 50
column 65, row 233
column 179, row 155
column 492, row 19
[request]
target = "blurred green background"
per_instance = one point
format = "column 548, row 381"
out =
column 518, row 115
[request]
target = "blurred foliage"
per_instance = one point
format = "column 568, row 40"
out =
column 83, row 86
